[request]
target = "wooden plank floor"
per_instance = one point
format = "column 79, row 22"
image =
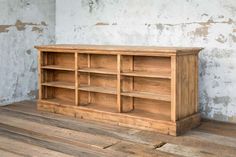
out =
column 24, row 131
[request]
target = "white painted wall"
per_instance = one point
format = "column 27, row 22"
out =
column 23, row 24
column 210, row 24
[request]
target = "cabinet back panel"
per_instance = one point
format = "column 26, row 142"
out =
column 106, row 100
column 64, row 94
column 83, row 78
column 158, row 86
column 57, row 75
column 83, row 97
column 104, row 61
column 103, row 80
column 63, row 59
column 152, row 64
column 64, row 76
column 152, row 106
column 126, row 63
column 83, row 60
column 151, row 85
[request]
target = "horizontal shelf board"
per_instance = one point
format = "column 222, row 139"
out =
column 98, row 71
column 146, row 74
column 60, row 84
column 58, row 101
column 58, row 67
column 147, row 95
column 145, row 114
column 97, row 89
column 96, row 107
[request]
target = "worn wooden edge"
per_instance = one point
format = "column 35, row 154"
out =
column 188, row 123
column 123, row 50
column 121, row 119
column 165, row 127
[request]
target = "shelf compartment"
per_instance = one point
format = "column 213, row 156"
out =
column 58, row 95
column 58, row 101
column 147, row 74
column 140, row 113
column 147, row 95
column 64, row 60
column 60, row 84
column 97, row 89
column 58, row 67
column 96, row 107
column 98, row 71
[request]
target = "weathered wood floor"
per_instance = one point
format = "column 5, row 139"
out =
column 24, row 131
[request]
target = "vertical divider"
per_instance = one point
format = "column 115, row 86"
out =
column 89, row 78
column 132, row 82
column 40, row 76
column 120, row 107
column 196, row 83
column 44, row 61
column 173, row 89
column 76, row 80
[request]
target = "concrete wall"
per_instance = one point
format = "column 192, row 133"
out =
column 23, row 24
column 210, row 24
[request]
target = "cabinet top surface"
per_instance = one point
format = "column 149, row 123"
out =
column 121, row 48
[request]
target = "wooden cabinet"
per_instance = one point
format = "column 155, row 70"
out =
column 151, row 88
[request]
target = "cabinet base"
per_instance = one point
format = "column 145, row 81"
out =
column 165, row 127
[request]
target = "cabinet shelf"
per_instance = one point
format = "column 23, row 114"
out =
column 147, row 95
column 138, row 87
column 98, row 71
column 97, row 89
column 58, row 101
column 60, row 84
column 96, row 107
column 57, row 67
column 149, row 115
column 147, row 74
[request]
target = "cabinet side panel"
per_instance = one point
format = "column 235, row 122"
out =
column 187, row 88
column 173, row 89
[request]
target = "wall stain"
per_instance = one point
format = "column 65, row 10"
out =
column 4, row 28
column 221, row 16
column 43, row 23
column 159, row 27
column 204, row 14
column 201, row 32
column 221, row 39
column 225, row 100
column 29, row 52
column 203, row 66
column 37, row 29
column 33, row 93
column 206, row 103
column 20, row 26
column 101, row 24
column 207, row 23
column 220, row 116
column 92, row 4
column 233, row 37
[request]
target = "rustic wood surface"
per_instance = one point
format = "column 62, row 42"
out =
column 153, row 88
column 25, row 131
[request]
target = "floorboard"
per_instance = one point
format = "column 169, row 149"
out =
column 47, row 134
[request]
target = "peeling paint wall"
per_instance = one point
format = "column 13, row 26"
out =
column 210, row 24
column 23, row 24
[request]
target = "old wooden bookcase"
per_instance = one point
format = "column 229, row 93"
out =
column 151, row 88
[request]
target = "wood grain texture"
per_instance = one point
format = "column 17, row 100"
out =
column 112, row 48
column 208, row 142
column 24, row 141
column 154, row 87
